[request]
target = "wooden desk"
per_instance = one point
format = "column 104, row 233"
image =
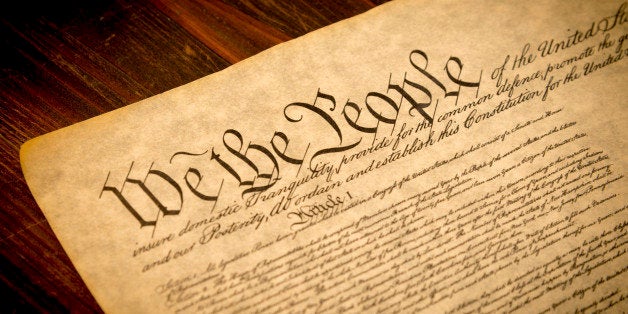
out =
column 64, row 63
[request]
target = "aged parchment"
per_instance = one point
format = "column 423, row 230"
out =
column 459, row 156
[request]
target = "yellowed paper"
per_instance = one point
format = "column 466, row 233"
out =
column 450, row 157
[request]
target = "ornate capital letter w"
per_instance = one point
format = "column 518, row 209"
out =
column 145, row 190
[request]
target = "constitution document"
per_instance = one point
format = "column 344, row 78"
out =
column 437, row 157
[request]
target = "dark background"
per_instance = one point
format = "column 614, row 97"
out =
column 64, row 62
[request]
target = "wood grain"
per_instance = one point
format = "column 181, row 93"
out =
column 66, row 62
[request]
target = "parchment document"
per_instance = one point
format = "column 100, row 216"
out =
column 451, row 157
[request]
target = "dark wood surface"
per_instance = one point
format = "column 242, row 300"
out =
column 65, row 62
